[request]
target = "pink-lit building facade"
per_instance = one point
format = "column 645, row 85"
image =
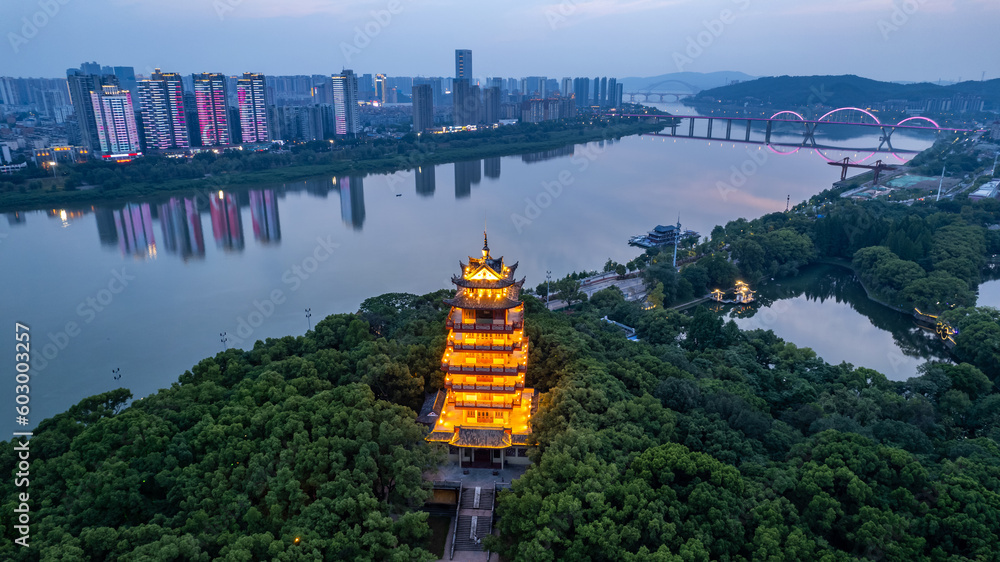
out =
column 213, row 114
column 115, row 120
column 251, row 99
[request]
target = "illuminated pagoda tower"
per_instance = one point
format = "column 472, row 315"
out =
column 484, row 417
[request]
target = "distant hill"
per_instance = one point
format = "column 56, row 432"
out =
column 681, row 81
column 846, row 90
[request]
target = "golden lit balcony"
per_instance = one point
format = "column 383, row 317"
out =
column 487, row 383
column 514, row 320
column 465, row 362
column 472, row 341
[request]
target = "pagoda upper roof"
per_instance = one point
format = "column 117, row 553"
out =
column 486, row 268
column 485, row 283
column 486, row 303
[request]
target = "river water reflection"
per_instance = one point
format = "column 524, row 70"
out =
column 148, row 287
column 826, row 308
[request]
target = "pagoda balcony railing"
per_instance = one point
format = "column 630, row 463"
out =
column 473, row 370
column 482, row 327
column 484, row 387
column 491, row 387
column 474, row 347
column 478, row 404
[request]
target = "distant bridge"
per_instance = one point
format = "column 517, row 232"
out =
column 809, row 127
column 650, row 91
column 646, row 95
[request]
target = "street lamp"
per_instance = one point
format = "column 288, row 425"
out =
column 309, row 315
column 52, row 165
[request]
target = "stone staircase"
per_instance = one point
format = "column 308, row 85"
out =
column 473, row 518
column 477, row 498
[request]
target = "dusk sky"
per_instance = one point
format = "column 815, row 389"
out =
column 905, row 41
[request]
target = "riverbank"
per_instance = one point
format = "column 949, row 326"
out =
column 430, row 154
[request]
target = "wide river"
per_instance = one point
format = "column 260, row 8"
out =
column 133, row 295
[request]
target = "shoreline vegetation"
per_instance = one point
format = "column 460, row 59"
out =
column 152, row 175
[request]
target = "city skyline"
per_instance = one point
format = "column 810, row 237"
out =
column 888, row 41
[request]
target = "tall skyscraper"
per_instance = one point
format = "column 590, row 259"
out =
column 536, row 86
column 345, row 103
column 463, row 65
column 366, row 89
column 251, row 98
column 423, row 108
column 612, row 92
column 380, row 92
column 603, row 100
column 491, row 106
column 126, row 80
column 210, row 95
column 566, row 88
column 596, row 98
column 8, row 92
column 80, row 85
column 91, row 68
column 475, row 101
column 164, row 119
column 115, row 120
column 619, row 93
column 581, row 89
column 464, row 110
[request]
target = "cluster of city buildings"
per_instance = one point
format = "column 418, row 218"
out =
column 111, row 113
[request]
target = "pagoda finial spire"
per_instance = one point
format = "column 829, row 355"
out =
column 486, row 245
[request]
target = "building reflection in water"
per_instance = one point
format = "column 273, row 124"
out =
column 533, row 157
column 491, row 167
column 17, row 217
column 180, row 224
column 106, row 230
column 227, row 224
column 467, row 174
column 424, row 176
column 134, row 229
column 352, row 200
column 264, row 214
column 317, row 187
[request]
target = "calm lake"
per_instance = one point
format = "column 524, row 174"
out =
column 148, row 287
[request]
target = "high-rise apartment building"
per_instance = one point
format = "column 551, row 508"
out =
column 164, row 120
column 464, row 107
column 251, row 99
column 345, row 103
column 423, row 108
column 491, row 106
column 210, row 94
column 581, row 89
column 80, row 85
column 115, row 121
